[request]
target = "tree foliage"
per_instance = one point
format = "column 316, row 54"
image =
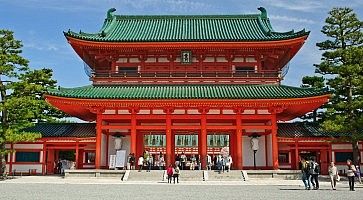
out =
column 317, row 82
column 342, row 67
column 21, row 93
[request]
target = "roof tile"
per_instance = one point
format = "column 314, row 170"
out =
column 186, row 28
column 187, row 92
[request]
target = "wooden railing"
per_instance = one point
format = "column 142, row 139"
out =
column 203, row 74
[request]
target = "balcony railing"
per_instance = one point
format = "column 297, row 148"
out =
column 204, row 74
column 165, row 77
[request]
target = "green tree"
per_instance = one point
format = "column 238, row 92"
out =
column 342, row 66
column 317, row 82
column 21, row 92
column 34, row 83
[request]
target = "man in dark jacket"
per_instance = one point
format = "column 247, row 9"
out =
column 314, row 172
column 305, row 175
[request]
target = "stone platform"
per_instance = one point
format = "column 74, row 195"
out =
column 185, row 175
column 94, row 173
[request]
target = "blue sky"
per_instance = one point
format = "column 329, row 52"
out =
column 40, row 25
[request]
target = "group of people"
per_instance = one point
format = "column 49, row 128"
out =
column 173, row 173
column 182, row 162
column 310, row 170
column 219, row 163
column 150, row 161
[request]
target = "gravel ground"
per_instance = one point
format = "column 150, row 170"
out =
column 30, row 191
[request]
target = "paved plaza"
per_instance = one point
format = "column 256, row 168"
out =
column 92, row 189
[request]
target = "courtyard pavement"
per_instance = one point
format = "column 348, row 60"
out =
column 53, row 187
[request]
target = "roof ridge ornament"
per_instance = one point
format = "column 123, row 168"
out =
column 109, row 12
column 263, row 12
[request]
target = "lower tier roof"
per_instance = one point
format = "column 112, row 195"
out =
column 187, row 92
column 84, row 130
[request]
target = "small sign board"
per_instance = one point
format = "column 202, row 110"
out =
column 120, row 158
column 186, row 57
column 112, row 162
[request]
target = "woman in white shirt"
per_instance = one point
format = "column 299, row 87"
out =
column 140, row 162
column 333, row 173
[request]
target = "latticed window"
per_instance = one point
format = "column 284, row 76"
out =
column 27, row 157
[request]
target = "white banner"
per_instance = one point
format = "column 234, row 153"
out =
column 112, row 162
column 120, row 158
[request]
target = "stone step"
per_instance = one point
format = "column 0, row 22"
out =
column 153, row 175
column 233, row 175
column 278, row 174
column 191, row 175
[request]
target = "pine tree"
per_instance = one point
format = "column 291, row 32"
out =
column 21, row 93
column 342, row 66
column 317, row 82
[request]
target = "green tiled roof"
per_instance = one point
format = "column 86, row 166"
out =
column 64, row 129
column 186, row 28
column 81, row 130
column 300, row 129
column 187, row 92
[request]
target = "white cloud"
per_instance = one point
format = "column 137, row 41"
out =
column 41, row 47
column 297, row 5
column 98, row 6
column 291, row 19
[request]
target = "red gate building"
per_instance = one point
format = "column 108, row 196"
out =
column 191, row 84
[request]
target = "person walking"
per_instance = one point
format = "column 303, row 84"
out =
column 223, row 163
column 132, row 161
column 59, row 166
column 161, row 162
column 176, row 174
column 358, row 173
column 305, row 175
column 333, row 173
column 209, row 162
column 229, row 163
column 170, row 172
column 314, row 172
column 150, row 161
column 177, row 160
column 183, row 160
column 199, row 162
column 193, row 162
column 351, row 174
column 219, row 164
column 140, row 162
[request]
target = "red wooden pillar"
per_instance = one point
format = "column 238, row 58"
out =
column 232, row 147
column 98, row 141
column 80, row 159
column 44, row 152
column 296, row 154
column 202, row 141
column 330, row 151
column 140, row 144
column 238, row 160
column 77, row 154
column 51, row 161
column 324, row 161
column 275, row 150
column 169, row 138
column 11, row 158
column 107, row 144
column 133, row 135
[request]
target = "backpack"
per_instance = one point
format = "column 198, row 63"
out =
column 169, row 171
column 316, row 168
column 305, row 167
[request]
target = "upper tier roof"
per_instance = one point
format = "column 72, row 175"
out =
column 188, row 92
column 186, row 28
column 81, row 130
